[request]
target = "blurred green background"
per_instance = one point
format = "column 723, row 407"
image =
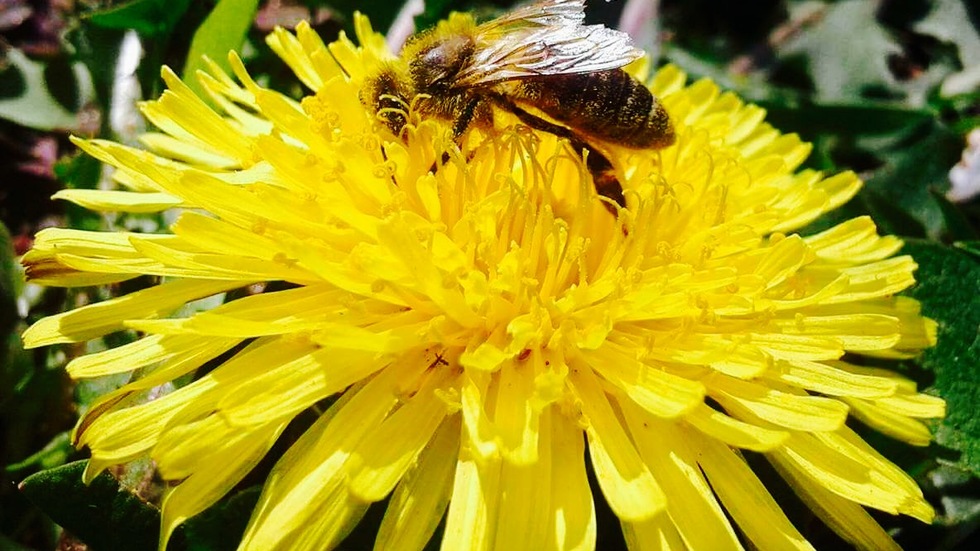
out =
column 890, row 89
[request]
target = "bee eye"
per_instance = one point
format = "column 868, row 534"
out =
column 436, row 57
column 442, row 62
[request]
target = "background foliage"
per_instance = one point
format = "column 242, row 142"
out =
column 887, row 88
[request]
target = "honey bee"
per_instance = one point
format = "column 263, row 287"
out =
column 539, row 62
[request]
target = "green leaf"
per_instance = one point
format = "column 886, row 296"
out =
column 102, row 514
column 9, row 275
column 54, row 454
column 150, row 18
column 913, row 165
column 972, row 247
column 847, row 51
column 8, row 544
column 13, row 367
column 958, row 227
column 80, row 171
column 221, row 527
column 950, row 21
column 890, row 217
column 844, row 118
column 959, row 110
column 961, row 502
column 434, row 11
column 381, row 12
column 105, row 515
column 948, row 283
column 36, row 107
column 223, row 30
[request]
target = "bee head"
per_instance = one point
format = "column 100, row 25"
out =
column 387, row 94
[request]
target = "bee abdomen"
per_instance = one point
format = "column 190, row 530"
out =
column 608, row 105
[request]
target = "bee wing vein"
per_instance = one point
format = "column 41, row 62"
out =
column 546, row 38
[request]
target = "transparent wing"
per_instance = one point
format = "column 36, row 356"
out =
column 544, row 38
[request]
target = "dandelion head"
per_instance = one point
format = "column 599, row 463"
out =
column 475, row 328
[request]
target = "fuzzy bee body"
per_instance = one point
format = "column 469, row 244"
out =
column 541, row 64
column 607, row 105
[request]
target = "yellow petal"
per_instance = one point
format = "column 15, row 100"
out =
column 854, row 242
column 574, row 523
column 904, row 428
column 516, row 417
column 421, row 497
column 181, row 113
column 913, row 405
column 691, row 504
column 286, row 385
column 312, row 472
column 845, row 476
column 128, row 357
column 834, row 379
column 733, row 432
column 125, row 201
column 846, row 518
column 476, row 493
column 216, row 474
column 854, row 331
column 123, row 434
column 630, row 489
column 525, row 510
column 656, row 390
column 655, row 534
column 806, row 413
column 89, row 322
column 383, row 457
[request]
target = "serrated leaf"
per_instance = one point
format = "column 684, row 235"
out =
column 847, row 51
column 914, row 165
column 36, row 107
column 223, row 30
column 950, row 21
column 948, row 283
column 102, row 514
column 961, row 503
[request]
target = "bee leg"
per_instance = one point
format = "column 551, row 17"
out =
column 462, row 122
column 603, row 175
column 465, row 118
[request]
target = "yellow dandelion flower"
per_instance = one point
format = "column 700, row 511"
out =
column 484, row 327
